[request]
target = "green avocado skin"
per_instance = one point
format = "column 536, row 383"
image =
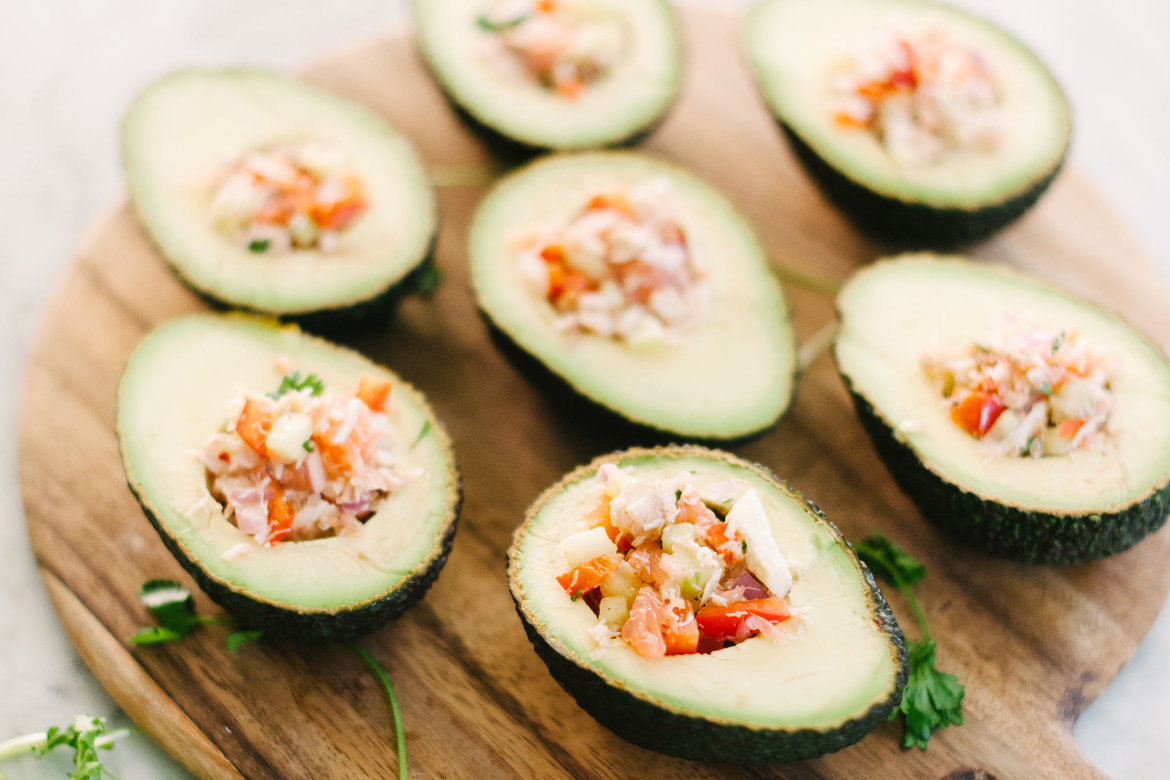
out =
column 698, row 738
column 909, row 224
column 1006, row 531
column 289, row 623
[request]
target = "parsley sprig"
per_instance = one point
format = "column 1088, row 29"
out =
column 174, row 608
column 294, row 382
column 932, row 699
column 85, row 735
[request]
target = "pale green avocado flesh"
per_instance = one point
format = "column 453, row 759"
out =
column 794, row 46
column 175, row 394
column 731, row 375
column 1089, row 503
column 182, row 129
column 494, row 91
column 830, row 679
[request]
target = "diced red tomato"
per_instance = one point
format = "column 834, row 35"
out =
column 254, row 424
column 977, row 413
column 553, row 253
column 717, row 537
column 727, row 622
column 373, row 391
column 565, row 283
column 570, row 90
column 280, row 517
column 615, row 201
column 615, row 534
column 589, row 575
column 339, row 213
column 849, row 121
column 1068, row 428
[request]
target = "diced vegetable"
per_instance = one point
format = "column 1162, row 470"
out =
column 587, row 576
column 585, row 546
column 728, row 622
column 613, row 611
column 977, row 413
column 374, row 392
column 253, row 425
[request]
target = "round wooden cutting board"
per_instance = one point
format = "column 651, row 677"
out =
column 1032, row 644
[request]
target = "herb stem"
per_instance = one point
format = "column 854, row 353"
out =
column 816, row 345
column 908, row 593
column 395, row 712
column 810, row 282
column 27, row 743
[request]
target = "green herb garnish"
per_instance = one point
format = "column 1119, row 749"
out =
column 576, row 595
column 1046, row 388
column 932, row 699
column 86, row 735
column 426, row 428
column 237, row 638
column 677, row 496
column 743, row 544
column 1058, row 341
column 392, row 700
column 484, row 22
column 295, row 383
column 307, row 445
column 172, row 606
column 259, row 245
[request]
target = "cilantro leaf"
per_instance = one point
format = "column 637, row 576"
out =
column 294, row 383
column 259, row 245
column 85, row 735
column 237, row 638
column 392, row 700
column 1058, row 341
column 932, row 699
column 889, row 561
column 174, row 608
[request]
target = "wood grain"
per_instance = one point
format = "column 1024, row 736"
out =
column 1033, row 644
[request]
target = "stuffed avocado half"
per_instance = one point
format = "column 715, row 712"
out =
column 308, row 491
column 641, row 287
column 772, row 643
column 1018, row 418
column 268, row 194
column 926, row 125
column 555, row 74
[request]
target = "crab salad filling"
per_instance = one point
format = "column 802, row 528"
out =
column 922, row 96
column 671, row 570
column 302, row 463
column 562, row 45
column 622, row 268
column 1025, row 389
column 294, row 196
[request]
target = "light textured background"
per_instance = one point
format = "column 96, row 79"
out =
column 68, row 70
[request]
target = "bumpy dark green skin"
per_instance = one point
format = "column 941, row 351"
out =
column 915, row 225
column 287, row 622
column 692, row 735
column 1011, row 532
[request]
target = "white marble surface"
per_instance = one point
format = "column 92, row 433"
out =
column 67, row 71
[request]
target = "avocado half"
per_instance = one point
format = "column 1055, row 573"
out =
column 815, row 691
column 792, row 46
column 731, row 375
column 617, row 108
column 173, row 396
column 182, row 128
column 1061, row 509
